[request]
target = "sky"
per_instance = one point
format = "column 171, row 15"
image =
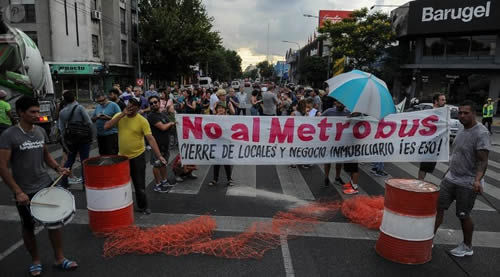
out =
column 243, row 24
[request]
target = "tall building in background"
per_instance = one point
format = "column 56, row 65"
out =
column 89, row 44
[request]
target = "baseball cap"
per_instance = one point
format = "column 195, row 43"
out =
column 135, row 100
column 489, row 99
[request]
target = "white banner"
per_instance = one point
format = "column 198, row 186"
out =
column 404, row 137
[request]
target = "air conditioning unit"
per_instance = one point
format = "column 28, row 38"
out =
column 95, row 15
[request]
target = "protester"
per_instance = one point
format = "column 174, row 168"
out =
column 6, row 118
column 242, row 99
column 221, row 109
column 316, row 99
column 160, row 127
column 269, row 102
column 311, row 111
column 151, row 91
column 221, row 95
column 256, row 102
column 126, row 95
column 75, row 116
column 132, row 130
column 438, row 101
column 213, row 101
column 183, row 171
column 114, row 95
column 464, row 179
column 233, row 100
column 107, row 140
column 285, row 104
column 144, row 109
column 24, row 147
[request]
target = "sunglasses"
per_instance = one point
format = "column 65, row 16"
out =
column 100, row 101
column 153, row 102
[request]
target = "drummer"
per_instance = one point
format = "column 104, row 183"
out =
column 24, row 146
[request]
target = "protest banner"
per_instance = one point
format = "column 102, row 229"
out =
column 404, row 137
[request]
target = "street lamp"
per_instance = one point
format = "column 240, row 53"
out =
column 310, row 15
column 387, row 6
column 287, row 41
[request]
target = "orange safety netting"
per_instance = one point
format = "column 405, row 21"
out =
column 364, row 210
column 195, row 236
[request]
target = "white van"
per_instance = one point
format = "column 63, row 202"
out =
column 236, row 85
column 205, row 82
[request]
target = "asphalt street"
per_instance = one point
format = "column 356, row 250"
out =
column 335, row 248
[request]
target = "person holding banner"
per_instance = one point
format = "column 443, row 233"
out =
column 221, row 109
column 464, row 179
column 438, row 101
column 337, row 110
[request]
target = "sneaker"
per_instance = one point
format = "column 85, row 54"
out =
column 178, row 179
column 191, row 176
column 348, row 189
column 293, row 166
column 373, row 171
column 74, row 180
column 161, row 189
column 339, row 181
column 462, row 250
column 327, row 182
column 166, row 184
column 382, row 173
column 148, row 148
column 306, row 166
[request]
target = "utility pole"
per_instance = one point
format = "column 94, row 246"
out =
column 268, row 42
column 138, row 47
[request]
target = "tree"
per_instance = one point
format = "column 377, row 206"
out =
column 313, row 70
column 174, row 34
column 362, row 37
column 222, row 64
column 266, row 69
column 251, row 74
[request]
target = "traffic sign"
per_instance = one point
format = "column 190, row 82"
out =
column 139, row 81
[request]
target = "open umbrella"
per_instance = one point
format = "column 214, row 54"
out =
column 362, row 92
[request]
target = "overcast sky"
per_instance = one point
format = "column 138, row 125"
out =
column 243, row 23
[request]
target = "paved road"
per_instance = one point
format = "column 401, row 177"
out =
column 335, row 248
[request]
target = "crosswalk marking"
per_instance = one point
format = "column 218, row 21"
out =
column 293, row 183
column 321, row 230
column 413, row 170
column 192, row 186
column 245, row 181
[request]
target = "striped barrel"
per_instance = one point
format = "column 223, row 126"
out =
column 109, row 193
column 407, row 227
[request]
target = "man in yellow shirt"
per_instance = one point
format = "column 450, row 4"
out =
column 488, row 114
column 132, row 129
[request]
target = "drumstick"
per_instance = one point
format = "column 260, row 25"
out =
column 44, row 204
column 57, row 180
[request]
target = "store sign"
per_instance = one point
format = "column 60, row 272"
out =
column 333, row 16
column 75, row 69
column 448, row 16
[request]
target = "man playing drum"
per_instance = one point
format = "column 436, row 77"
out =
column 23, row 146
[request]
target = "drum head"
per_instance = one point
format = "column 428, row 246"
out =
column 49, row 214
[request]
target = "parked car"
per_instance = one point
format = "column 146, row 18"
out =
column 454, row 123
column 205, row 82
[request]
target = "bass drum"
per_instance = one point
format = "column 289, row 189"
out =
column 59, row 209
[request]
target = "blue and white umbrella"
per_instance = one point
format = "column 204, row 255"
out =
column 362, row 92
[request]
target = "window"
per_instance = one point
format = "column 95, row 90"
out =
column 123, row 21
column 33, row 35
column 94, row 4
column 458, row 46
column 134, row 26
column 29, row 14
column 95, row 46
column 124, row 51
column 434, row 47
column 483, row 46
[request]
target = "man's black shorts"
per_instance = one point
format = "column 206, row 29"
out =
column 465, row 197
column 427, row 167
column 27, row 221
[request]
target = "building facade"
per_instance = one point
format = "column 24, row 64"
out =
column 89, row 44
column 452, row 46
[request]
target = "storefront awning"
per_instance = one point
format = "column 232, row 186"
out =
column 76, row 68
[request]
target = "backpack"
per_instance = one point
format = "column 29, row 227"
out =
column 77, row 132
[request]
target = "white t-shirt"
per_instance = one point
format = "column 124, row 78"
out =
column 213, row 101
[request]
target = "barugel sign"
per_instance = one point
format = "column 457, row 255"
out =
column 449, row 16
column 466, row 14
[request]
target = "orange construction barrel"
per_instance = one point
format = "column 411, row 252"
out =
column 109, row 193
column 407, row 228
